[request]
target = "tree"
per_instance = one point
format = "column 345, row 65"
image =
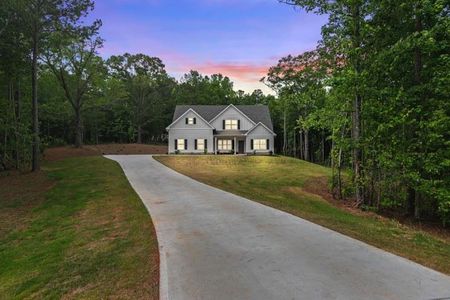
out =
column 143, row 76
column 194, row 88
column 256, row 97
column 409, row 76
column 343, row 37
column 14, row 63
column 390, row 58
column 299, row 80
column 43, row 18
column 73, row 60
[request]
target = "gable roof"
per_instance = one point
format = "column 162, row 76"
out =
column 257, row 113
column 189, row 110
column 262, row 124
column 237, row 109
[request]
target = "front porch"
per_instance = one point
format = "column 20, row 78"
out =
column 227, row 142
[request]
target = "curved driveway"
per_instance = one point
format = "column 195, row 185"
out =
column 216, row 245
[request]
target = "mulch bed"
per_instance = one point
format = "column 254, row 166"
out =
column 59, row 153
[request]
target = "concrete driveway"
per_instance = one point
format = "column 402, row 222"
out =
column 215, row 245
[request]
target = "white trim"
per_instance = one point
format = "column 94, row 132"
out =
column 260, row 142
column 261, row 123
column 189, row 121
column 178, row 144
column 192, row 128
column 226, row 108
column 190, row 109
column 222, row 142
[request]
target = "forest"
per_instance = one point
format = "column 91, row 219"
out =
column 371, row 101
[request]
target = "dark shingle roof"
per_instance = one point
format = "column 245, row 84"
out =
column 257, row 113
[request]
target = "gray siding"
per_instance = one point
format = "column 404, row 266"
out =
column 202, row 130
column 232, row 114
column 181, row 130
column 260, row 132
column 181, row 123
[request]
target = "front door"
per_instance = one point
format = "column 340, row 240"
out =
column 241, row 145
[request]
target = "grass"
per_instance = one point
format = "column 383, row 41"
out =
column 76, row 230
column 292, row 185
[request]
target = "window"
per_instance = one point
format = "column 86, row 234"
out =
column 231, row 124
column 260, row 144
column 225, row 145
column 181, row 144
column 190, row 121
column 201, row 144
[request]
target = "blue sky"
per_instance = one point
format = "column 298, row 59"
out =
column 238, row 38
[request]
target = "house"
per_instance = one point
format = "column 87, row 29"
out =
column 236, row 129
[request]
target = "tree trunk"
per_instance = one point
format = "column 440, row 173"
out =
column 356, row 148
column 34, row 99
column 17, row 120
column 413, row 197
column 13, row 114
column 306, row 144
column 295, row 143
column 284, row 131
column 139, row 134
column 417, row 206
column 322, row 146
column 356, row 126
column 300, row 135
column 96, row 128
column 339, row 174
column 78, row 128
column 5, row 154
column 13, row 98
column 411, row 201
column 333, row 168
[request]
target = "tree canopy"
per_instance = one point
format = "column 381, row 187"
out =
column 371, row 101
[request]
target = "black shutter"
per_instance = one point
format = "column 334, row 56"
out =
column 185, row 144
column 239, row 124
column 176, row 145
column 267, row 144
column 251, row 144
column 186, row 120
column 195, row 146
column 206, row 144
column 232, row 144
column 195, row 121
column 223, row 123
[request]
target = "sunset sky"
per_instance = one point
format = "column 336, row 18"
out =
column 238, row 38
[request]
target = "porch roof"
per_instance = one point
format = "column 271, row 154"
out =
column 229, row 133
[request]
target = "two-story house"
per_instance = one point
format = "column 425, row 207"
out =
column 236, row 129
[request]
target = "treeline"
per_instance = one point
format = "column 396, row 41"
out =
column 55, row 89
column 372, row 101
column 374, row 97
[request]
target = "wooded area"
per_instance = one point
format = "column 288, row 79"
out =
column 57, row 90
column 372, row 101
column 374, row 97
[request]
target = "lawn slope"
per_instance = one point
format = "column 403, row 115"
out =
column 76, row 230
column 291, row 185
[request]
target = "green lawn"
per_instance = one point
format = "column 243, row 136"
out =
column 75, row 230
column 293, row 186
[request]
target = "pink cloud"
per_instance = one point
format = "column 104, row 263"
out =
column 240, row 71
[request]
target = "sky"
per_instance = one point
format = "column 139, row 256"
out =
column 240, row 39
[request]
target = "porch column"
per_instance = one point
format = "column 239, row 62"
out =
column 235, row 146
column 215, row 145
